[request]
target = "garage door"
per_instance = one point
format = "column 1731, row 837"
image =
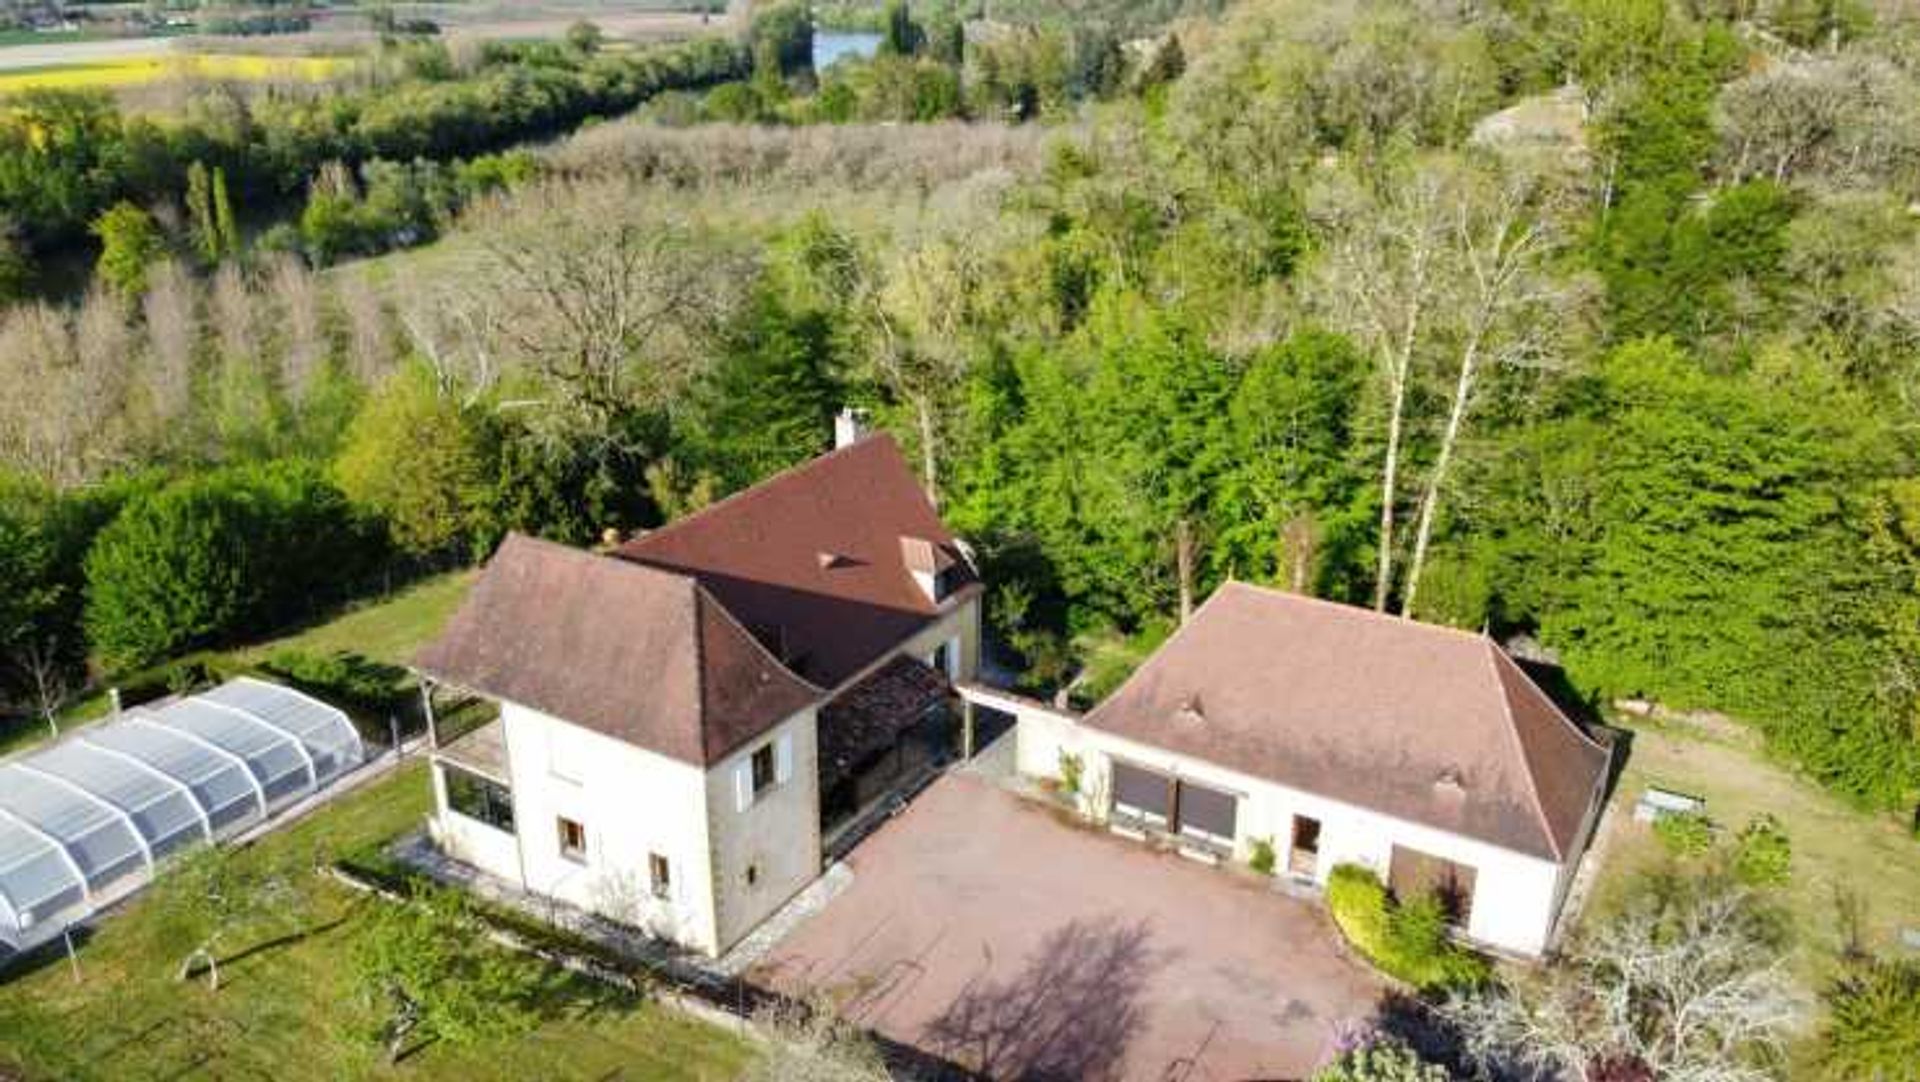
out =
column 1414, row 874
column 1207, row 814
column 1142, row 794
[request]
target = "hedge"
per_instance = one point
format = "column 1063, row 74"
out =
column 203, row 559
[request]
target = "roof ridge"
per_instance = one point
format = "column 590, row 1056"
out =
column 1360, row 611
column 778, row 477
column 1520, row 746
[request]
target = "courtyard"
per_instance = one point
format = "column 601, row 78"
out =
column 997, row 933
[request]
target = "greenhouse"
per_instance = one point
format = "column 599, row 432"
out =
column 85, row 821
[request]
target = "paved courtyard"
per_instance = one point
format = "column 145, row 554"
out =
column 986, row 929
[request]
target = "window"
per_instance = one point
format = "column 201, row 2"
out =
column 573, row 840
column 661, row 874
column 479, row 799
column 753, row 874
column 763, row 773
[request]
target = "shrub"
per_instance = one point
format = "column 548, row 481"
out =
column 1873, row 1023
column 1687, row 834
column 1405, row 941
column 1379, row 1059
column 1763, row 855
column 1262, row 858
column 203, row 558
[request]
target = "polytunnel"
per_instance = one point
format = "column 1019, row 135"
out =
column 85, row 821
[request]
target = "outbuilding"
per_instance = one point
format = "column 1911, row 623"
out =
column 1340, row 735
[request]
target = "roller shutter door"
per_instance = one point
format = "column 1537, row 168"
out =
column 1142, row 794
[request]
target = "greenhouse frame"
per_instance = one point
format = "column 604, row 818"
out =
column 85, row 821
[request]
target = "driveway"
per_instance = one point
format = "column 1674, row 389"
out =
column 987, row 929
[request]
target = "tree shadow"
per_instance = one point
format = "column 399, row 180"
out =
column 1067, row 1015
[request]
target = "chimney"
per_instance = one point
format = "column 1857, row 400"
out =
column 849, row 427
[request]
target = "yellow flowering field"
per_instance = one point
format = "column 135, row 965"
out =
column 135, row 71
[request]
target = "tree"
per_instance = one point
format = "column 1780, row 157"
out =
column 413, row 457
column 1508, row 311
column 214, row 898
column 585, row 37
column 130, row 242
column 1382, row 279
column 1686, row 984
column 427, row 969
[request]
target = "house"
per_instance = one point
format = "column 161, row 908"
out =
column 1335, row 735
column 686, row 721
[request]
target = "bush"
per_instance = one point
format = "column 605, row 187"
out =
column 1873, row 1023
column 1764, row 854
column 1262, row 859
column 1405, row 941
column 210, row 556
column 1379, row 1059
column 1687, row 834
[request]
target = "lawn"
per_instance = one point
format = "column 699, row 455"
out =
column 387, row 629
column 1844, row 860
column 292, row 1011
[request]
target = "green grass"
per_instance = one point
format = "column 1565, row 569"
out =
column 293, row 1012
column 1843, row 858
column 387, row 629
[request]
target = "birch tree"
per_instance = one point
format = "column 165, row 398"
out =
column 1503, row 308
column 1382, row 280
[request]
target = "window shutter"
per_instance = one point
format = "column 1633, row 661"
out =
column 783, row 759
column 743, row 784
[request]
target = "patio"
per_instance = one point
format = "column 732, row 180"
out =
column 989, row 930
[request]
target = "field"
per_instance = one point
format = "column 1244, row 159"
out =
column 134, row 71
column 1849, row 866
column 290, row 1009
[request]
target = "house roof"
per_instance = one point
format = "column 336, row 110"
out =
column 639, row 654
column 818, row 561
column 870, row 716
column 1424, row 723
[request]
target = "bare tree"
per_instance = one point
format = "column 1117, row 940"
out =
column 1381, row 280
column 369, row 331
column 610, row 316
column 46, row 673
column 1686, row 985
column 303, row 339
column 173, row 334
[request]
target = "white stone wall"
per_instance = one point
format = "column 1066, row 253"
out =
column 633, row 803
column 776, row 834
column 1516, row 896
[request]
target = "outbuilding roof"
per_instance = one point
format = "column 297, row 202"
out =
column 637, row 653
column 819, row 561
column 1424, row 723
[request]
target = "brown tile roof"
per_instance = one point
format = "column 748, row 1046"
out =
column 814, row 561
column 1424, row 723
column 870, row 716
column 639, row 654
